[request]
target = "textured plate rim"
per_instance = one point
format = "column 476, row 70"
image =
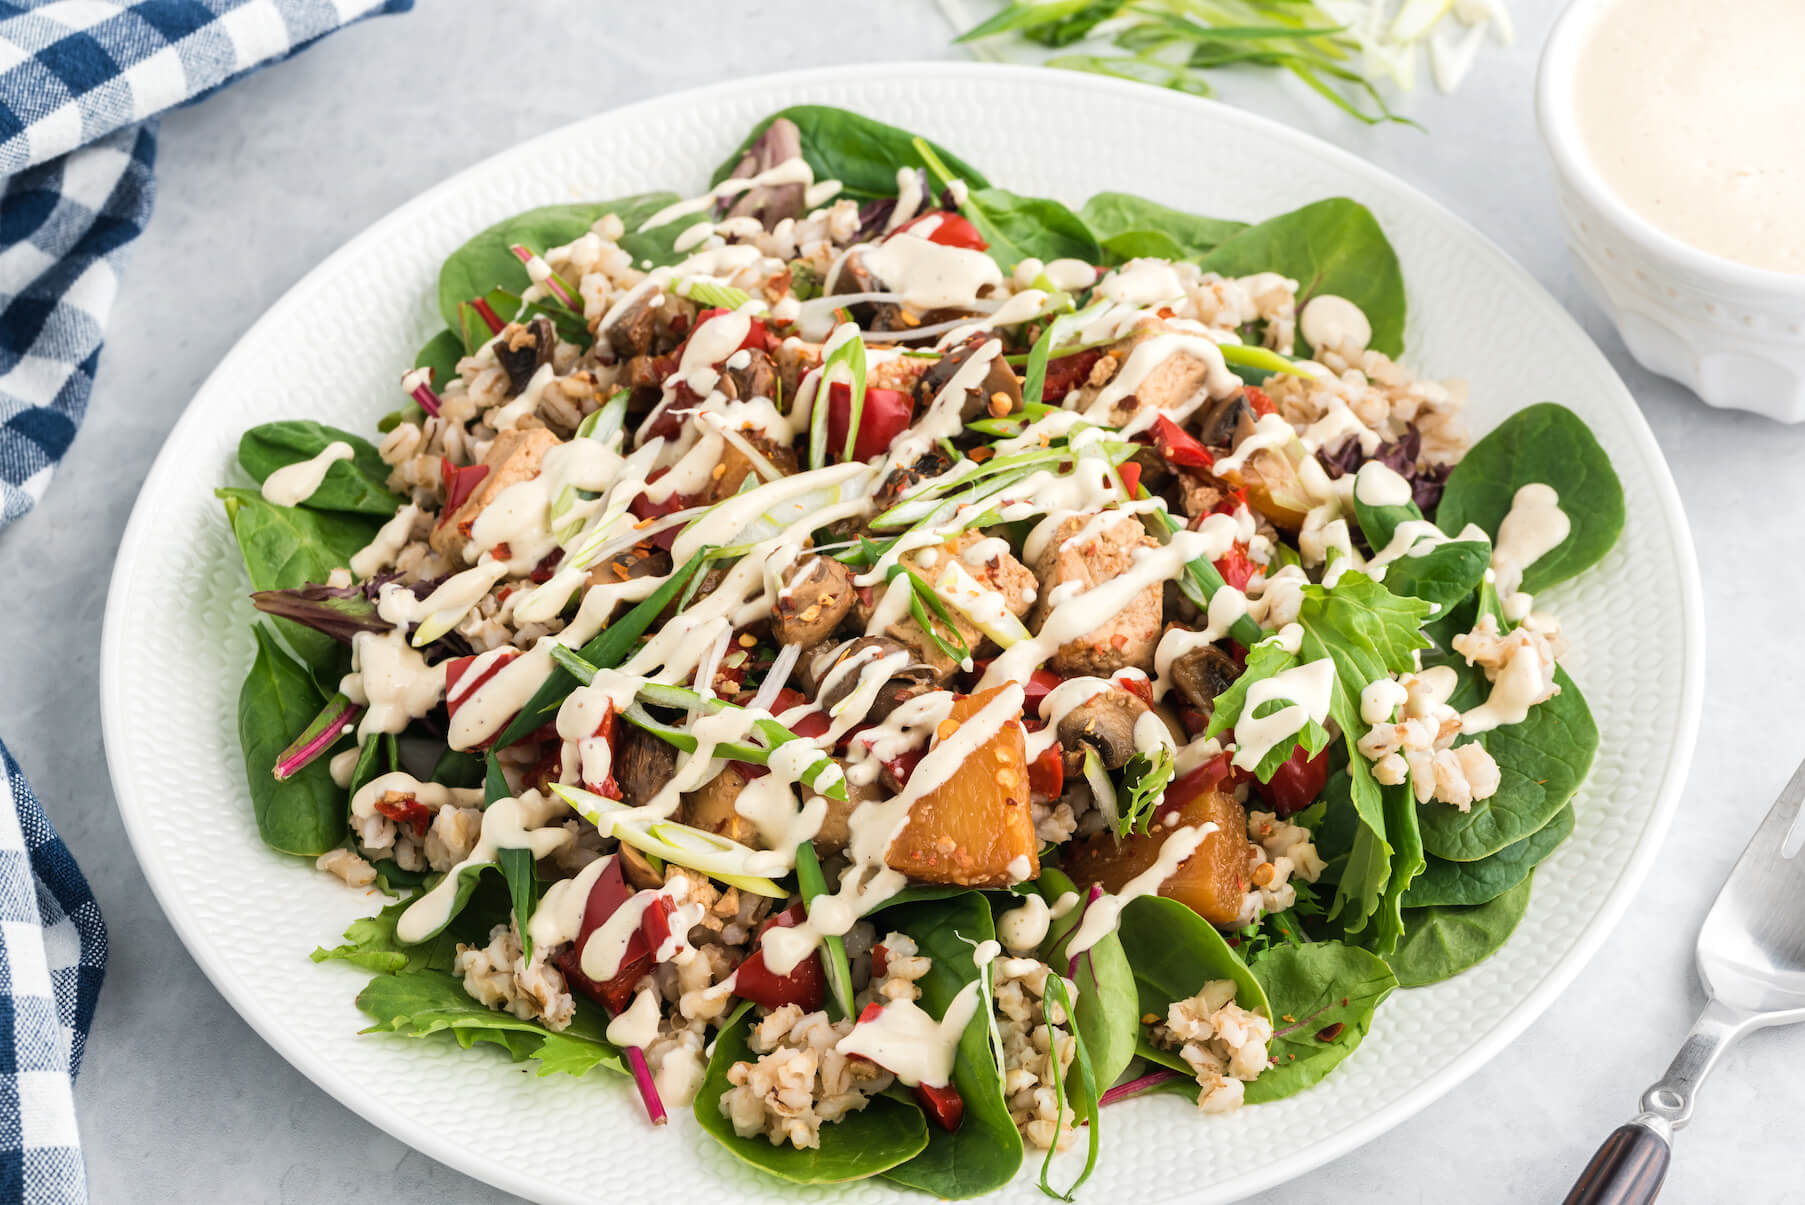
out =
column 1531, row 1005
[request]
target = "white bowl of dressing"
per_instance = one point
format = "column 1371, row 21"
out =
column 1677, row 130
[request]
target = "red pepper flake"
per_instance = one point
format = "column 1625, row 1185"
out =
column 405, row 809
column 502, row 551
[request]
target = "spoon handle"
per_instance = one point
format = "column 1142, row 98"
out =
column 1628, row 1168
column 1631, row 1164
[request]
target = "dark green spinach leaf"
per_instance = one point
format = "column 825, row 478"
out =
column 485, row 263
column 1550, row 444
column 1128, row 227
column 1541, row 763
column 1174, row 952
column 1464, row 884
column 1108, row 1006
column 289, row 546
column 984, row 1153
column 883, row 1135
column 861, row 153
column 1440, row 943
column 359, row 484
column 1333, row 246
column 305, row 814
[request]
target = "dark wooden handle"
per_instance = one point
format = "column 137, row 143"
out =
column 1627, row 1170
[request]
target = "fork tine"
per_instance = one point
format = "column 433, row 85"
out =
column 1781, row 831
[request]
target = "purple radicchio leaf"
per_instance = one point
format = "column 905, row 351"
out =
column 343, row 611
column 1401, row 457
column 770, row 203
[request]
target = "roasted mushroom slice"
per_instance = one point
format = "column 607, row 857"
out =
column 997, row 394
column 1220, row 423
column 632, row 331
column 834, row 673
column 520, row 350
column 816, row 594
column 1104, row 722
column 643, row 764
column 1203, row 673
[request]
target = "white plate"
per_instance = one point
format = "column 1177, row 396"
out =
column 177, row 642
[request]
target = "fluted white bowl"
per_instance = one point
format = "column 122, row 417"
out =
column 177, row 638
column 1732, row 333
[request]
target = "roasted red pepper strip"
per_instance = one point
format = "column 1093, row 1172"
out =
column 1131, row 477
column 605, row 899
column 952, row 230
column 887, row 414
column 408, row 811
column 1236, row 568
column 1178, row 446
column 460, row 481
column 456, row 693
column 805, row 986
column 1296, row 784
column 943, row 1104
column 1046, row 774
column 1262, row 404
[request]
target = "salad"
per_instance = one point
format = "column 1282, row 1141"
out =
column 894, row 666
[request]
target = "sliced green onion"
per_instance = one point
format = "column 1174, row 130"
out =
column 821, row 767
column 679, row 844
column 812, row 883
column 713, row 295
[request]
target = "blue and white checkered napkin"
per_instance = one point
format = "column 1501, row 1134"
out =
column 81, row 82
column 53, row 950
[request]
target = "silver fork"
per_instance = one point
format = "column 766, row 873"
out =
column 1751, row 957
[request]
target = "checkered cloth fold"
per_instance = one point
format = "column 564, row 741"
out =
column 53, row 952
column 81, row 82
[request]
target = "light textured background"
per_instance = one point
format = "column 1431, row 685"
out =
column 182, row 1101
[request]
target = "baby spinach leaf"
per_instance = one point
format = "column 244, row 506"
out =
column 380, row 754
column 1379, row 523
column 1018, row 228
column 1174, row 952
column 1108, row 1005
column 1541, row 763
column 289, row 546
column 984, row 1153
column 886, row 1133
column 441, row 354
column 457, row 768
column 1444, row 575
column 359, row 484
column 485, row 263
column 420, row 1002
column 305, row 814
column 1333, row 246
column 1440, row 943
column 1322, row 996
column 1550, row 444
column 863, row 154
column 1128, row 226
column 1463, row 884
column 371, row 943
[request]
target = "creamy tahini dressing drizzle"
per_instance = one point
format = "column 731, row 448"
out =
column 293, row 484
column 1692, row 111
column 905, row 1038
column 1304, row 688
column 502, row 829
column 1534, row 527
column 392, row 679
column 931, row 276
